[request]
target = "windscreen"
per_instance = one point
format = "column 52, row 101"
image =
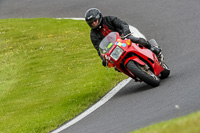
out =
column 107, row 42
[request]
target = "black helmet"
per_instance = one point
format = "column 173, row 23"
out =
column 92, row 15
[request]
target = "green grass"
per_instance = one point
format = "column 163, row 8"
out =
column 50, row 72
column 186, row 124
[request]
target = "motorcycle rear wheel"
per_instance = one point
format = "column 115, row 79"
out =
column 145, row 75
column 166, row 72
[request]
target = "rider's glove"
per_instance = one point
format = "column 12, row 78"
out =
column 104, row 62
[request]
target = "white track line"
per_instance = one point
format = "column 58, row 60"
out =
column 108, row 96
column 72, row 18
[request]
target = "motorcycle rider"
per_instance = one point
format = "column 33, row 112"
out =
column 101, row 26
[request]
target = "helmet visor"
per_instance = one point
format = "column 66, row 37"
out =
column 92, row 20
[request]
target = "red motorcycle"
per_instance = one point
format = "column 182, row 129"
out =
column 133, row 59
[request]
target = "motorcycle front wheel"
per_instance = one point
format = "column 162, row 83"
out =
column 143, row 74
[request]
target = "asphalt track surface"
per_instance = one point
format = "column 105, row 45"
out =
column 174, row 24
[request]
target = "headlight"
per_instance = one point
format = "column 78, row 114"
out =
column 116, row 53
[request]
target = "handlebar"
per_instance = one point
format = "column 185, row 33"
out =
column 123, row 37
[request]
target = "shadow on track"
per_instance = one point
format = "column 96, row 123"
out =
column 135, row 87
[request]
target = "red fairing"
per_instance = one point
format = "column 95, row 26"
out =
column 124, row 51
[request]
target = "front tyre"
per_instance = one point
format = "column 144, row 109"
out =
column 143, row 74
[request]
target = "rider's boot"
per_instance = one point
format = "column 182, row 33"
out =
column 158, row 52
column 155, row 48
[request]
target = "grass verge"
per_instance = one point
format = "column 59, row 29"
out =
column 49, row 73
column 186, row 124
